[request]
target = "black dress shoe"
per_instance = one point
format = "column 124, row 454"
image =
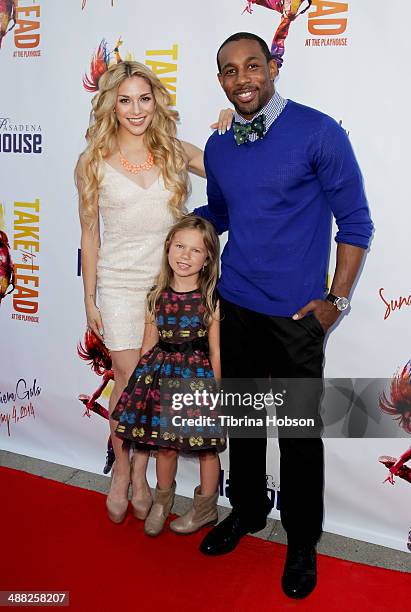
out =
column 300, row 571
column 226, row 535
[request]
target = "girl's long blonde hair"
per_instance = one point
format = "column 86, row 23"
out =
column 208, row 275
column 160, row 138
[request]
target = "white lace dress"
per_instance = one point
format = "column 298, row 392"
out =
column 136, row 222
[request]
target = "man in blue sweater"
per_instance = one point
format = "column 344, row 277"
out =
column 274, row 182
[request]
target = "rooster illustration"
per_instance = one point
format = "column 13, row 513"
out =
column 100, row 63
column 98, row 356
column 289, row 10
column 398, row 405
column 7, row 17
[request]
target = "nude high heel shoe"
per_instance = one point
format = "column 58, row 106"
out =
column 141, row 506
column 203, row 512
column 116, row 509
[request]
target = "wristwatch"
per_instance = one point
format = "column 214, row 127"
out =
column 341, row 303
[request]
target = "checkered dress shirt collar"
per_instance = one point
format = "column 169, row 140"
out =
column 272, row 110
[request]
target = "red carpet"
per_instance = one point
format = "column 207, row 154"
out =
column 57, row 537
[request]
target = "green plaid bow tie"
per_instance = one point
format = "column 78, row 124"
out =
column 242, row 131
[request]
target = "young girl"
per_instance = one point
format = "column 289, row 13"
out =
column 180, row 352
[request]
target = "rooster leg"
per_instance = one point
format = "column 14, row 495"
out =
column 110, row 457
column 400, row 462
column 106, row 379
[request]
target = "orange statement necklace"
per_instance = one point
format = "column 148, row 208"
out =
column 137, row 168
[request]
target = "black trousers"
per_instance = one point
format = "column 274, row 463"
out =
column 254, row 345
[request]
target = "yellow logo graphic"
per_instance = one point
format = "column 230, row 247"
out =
column 26, row 244
column 165, row 70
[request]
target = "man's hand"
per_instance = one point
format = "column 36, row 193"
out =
column 325, row 312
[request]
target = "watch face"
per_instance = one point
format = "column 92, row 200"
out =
column 342, row 303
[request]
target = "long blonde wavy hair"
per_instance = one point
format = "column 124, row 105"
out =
column 160, row 138
column 208, row 276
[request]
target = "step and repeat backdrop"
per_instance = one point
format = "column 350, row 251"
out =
column 347, row 59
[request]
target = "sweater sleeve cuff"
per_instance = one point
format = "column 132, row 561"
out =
column 356, row 241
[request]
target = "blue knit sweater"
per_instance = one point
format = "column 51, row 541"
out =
column 276, row 198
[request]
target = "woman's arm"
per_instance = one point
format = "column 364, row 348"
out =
column 194, row 158
column 90, row 244
column 214, row 343
column 194, row 155
column 150, row 337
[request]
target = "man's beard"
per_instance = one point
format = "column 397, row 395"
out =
column 252, row 109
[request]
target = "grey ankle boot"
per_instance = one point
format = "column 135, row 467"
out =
column 162, row 504
column 202, row 512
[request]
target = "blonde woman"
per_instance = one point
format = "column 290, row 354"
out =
column 133, row 174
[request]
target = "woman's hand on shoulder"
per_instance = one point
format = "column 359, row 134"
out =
column 224, row 122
